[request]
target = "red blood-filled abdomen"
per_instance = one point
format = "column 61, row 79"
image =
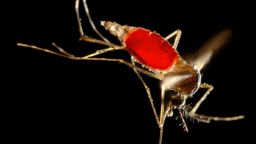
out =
column 150, row 49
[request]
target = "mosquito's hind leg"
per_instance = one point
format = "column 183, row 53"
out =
column 147, row 90
column 207, row 119
column 159, row 121
column 80, row 27
column 85, row 37
column 177, row 34
column 90, row 57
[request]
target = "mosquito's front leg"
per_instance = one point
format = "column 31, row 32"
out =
column 207, row 119
column 209, row 89
column 176, row 33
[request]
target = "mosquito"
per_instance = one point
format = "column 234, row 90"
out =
column 156, row 57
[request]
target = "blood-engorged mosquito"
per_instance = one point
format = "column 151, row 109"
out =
column 155, row 57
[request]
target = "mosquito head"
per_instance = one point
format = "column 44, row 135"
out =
column 174, row 99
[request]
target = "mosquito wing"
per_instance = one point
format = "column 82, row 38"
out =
column 172, row 80
column 205, row 53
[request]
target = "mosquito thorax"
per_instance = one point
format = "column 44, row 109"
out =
column 183, row 78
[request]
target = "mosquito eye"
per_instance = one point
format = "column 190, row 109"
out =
column 178, row 100
column 171, row 93
column 168, row 96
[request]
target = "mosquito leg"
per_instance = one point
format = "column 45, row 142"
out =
column 163, row 114
column 147, row 90
column 98, row 52
column 209, row 89
column 62, row 50
column 127, row 64
column 93, row 40
column 161, row 133
column 159, row 123
column 162, row 107
column 176, row 33
column 80, row 28
column 162, row 118
column 91, row 21
column 83, row 36
column 207, row 119
column 91, row 57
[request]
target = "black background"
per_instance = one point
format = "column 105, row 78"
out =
column 58, row 100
